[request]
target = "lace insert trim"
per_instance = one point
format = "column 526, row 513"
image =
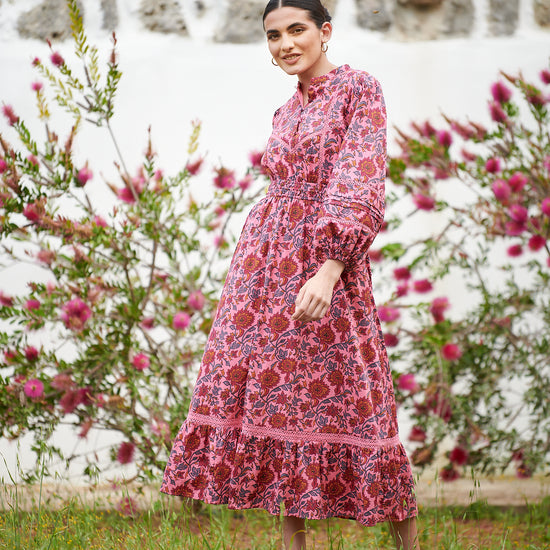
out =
column 294, row 437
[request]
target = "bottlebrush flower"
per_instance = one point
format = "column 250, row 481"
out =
column 376, row 255
column 444, row 138
column 5, row 300
column 126, row 195
column 417, row 434
column 407, row 382
column 451, row 352
column 9, row 113
column 32, row 212
column 32, row 304
column 3, row 165
column 517, row 182
column 388, row 314
column 140, row 362
column 181, row 321
column 515, row 250
column 196, row 300
column 125, row 453
column 246, row 182
column 402, row 290
column 438, row 307
column 70, row 401
column 449, row 474
column 225, row 179
column 36, row 86
column 492, row 165
column 467, row 156
column 148, row 323
column 402, row 273
column 75, row 314
column 45, row 256
column 194, row 167
column 459, row 456
column 545, row 76
column 391, row 340
column 423, row 202
column 536, row 242
column 57, row 59
column 518, row 213
column 497, row 112
column 100, row 222
column 62, row 382
column 422, row 286
column 31, row 353
column 34, row 388
column 514, row 229
column 84, row 175
column 500, row 92
column 545, row 206
column 36, row 61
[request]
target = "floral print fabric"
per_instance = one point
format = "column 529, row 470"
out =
column 303, row 414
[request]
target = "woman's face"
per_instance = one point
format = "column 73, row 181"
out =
column 295, row 41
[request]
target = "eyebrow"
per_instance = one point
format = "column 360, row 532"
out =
column 290, row 27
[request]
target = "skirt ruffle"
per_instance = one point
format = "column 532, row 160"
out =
column 314, row 480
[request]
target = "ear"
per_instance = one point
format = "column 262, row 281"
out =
column 326, row 31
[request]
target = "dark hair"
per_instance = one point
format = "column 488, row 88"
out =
column 317, row 12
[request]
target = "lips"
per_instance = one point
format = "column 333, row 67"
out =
column 291, row 59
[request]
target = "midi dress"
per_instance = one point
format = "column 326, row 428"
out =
column 301, row 416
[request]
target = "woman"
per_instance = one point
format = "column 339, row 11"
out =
column 294, row 404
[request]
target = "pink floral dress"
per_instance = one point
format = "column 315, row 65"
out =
column 303, row 415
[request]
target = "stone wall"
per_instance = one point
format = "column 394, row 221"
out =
column 240, row 21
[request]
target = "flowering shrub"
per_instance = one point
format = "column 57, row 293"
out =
column 126, row 276
column 473, row 368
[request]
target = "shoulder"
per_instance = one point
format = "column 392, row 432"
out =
column 358, row 83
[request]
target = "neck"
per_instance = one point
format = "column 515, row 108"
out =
column 323, row 67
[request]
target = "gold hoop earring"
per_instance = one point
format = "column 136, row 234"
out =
column 324, row 47
column 274, row 63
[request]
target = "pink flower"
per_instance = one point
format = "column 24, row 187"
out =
column 518, row 213
column 57, row 59
column 451, row 352
column 492, row 165
column 34, row 388
column 36, row 61
column 545, row 76
column 407, row 382
column 125, row 195
column 5, row 300
column 402, row 290
column 62, row 382
column 417, row 434
column 127, row 506
column 75, row 314
column 459, row 456
column 148, row 323
column 13, row 119
column 219, row 241
column 32, row 304
column 422, row 286
column 497, row 112
column 423, row 202
column 438, row 307
column 196, row 300
column 536, row 242
column 255, row 158
column 84, row 175
column 194, row 167
column 402, row 273
column 225, row 179
column 3, row 165
column 181, row 321
column 219, row 211
column 33, row 161
column 70, row 401
column 246, row 182
column 32, row 212
column 444, row 138
column 45, row 256
column 100, row 222
column 31, row 353
column 515, row 250
column 545, row 206
column 140, row 361
column 467, row 156
column 517, row 182
column 449, row 474
column 514, row 229
column 391, row 340
column 523, row 471
column 500, row 92
column 388, row 314
column 376, row 255
column 36, row 86
column 125, row 453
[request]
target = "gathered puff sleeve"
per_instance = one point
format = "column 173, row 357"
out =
column 353, row 206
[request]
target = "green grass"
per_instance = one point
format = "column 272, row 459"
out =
column 169, row 524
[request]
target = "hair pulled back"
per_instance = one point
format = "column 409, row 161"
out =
column 317, row 12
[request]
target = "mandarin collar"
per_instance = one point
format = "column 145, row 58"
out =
column 318, row 83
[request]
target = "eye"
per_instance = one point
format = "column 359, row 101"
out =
column 298, row 30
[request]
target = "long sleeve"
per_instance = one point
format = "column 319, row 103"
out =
column 354, row 202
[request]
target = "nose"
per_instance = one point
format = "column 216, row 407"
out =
column 287, row 43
